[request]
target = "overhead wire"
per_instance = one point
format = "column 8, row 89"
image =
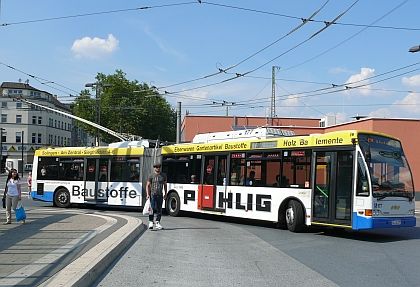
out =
column 46, row 82
column 202, row 2
column 348, row 39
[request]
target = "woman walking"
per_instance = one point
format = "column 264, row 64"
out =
column 29, row 181
column 13, row 194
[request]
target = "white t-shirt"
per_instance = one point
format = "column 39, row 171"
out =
column 12, row 187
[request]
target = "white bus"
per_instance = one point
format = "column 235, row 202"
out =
column 346, row 179
column 113, row 175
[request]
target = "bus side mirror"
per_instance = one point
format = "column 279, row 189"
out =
column 368, row 155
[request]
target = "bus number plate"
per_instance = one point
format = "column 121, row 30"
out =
column 396, row 222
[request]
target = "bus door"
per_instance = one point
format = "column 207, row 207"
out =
column 96, row 179
column 332, row 188
column 212, row 193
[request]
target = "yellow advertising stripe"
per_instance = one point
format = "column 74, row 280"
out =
column 338, row 138
column 75, row 152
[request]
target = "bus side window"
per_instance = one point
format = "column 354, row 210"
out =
column 296, row 168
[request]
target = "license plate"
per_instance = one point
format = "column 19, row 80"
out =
column 396, row 222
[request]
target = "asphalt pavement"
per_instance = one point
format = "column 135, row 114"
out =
column 62, row 247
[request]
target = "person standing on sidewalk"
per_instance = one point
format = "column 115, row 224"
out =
column 12, row 193
column 156, row 183
column 29, row 181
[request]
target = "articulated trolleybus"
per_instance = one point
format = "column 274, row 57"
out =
column 345, row 179
column 113, row 175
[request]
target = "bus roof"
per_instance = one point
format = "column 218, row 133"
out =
column 336, row 138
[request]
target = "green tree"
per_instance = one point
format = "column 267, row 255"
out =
column 126, row 107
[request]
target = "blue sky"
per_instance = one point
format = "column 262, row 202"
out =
column 360, row 65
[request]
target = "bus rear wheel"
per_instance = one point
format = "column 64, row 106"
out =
column 294, row 216
column 173, row 204
column 62, row 198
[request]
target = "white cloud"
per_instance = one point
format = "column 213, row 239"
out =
column 413, row 81
column 292, row 100
column 95, row 48
column 360, row 79
column 341, row 117
column 381, row 113
column 410, row 104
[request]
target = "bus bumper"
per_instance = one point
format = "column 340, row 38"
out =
column 47, row 196
column 362, row 222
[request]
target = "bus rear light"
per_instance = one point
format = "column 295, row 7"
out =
column 368, row 212
column 361, row 212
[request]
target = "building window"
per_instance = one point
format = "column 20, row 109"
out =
column 18, row 119
column 14, row 91
column 18, row 105
column 4, row 104
column 55, row 140
column 35, row 93
column 33, row 137
column 4, row 118
column 18, row 137
column 3, row 136
column 39, row 138
column 39, row 120
column 34, row 120
column 58, row 124
column 55, row 123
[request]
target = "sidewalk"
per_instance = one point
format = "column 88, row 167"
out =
column 63, row 247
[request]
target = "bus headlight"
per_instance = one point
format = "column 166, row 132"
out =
column 411, row 212
column 375, row 212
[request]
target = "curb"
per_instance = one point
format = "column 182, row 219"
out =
column 86, row 269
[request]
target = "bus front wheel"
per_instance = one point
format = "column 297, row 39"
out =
column 62, row 198
column 294, row 216
column 173, row 204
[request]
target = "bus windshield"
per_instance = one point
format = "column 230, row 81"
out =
column 388, row 167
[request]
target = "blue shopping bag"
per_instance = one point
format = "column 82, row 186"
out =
column 20, row 212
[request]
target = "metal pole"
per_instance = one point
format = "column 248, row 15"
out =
column 178, row 123
column 98, row 113
column 273, row 94
column 23, row 135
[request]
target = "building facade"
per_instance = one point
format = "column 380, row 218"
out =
column 26, row 128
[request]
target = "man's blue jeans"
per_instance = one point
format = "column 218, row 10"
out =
column 158, row 201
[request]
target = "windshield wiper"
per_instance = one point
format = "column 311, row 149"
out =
column 396, row 194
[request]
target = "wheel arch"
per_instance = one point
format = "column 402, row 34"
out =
column 168, row 196
column 56, row 190
column 281, row 216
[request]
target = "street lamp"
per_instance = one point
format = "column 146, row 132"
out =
column 98, row 85
column 414, row 49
